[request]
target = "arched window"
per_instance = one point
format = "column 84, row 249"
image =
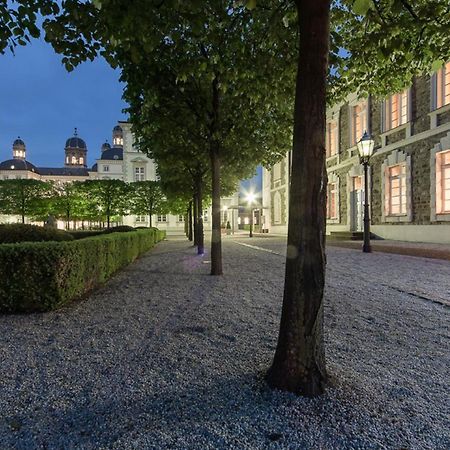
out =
column 81, row 160
column 277, row 208
column 74, row 160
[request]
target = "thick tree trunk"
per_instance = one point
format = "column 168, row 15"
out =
column 299, row 362
column 190, row 221
column 216, row 237
column 200, row 237
column 195, row 208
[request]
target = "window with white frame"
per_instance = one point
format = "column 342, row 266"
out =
column 180, row 218
column 396, row 190
column 105, row 168
column 442, row 87
column 139, row 174
column 332, row 199
column 359, row 122
column 141, row 219
column 443, row 182
column 277, row 208
column 331, row 140
column 277, row 171
column 162, row 218
column 395, row 110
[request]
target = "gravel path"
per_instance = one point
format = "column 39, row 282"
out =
column 166, row 356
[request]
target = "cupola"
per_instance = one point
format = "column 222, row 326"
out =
column 19, row 149
column 75, row 151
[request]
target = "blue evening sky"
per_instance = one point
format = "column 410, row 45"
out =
column 42, row 103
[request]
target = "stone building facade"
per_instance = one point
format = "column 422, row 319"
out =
column 409, row 177
column 121, row 160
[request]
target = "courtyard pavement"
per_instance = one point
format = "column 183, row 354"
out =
column 165, row 356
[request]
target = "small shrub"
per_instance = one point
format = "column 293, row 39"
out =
column 119, row 229
column 18, row 232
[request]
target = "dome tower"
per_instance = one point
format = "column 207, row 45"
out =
column 19, row 149
column 117, row 136
column 105, row 146
column 76, row 152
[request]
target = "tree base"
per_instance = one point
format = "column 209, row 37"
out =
column 309, row 384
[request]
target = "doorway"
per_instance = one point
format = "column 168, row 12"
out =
column 357, row 203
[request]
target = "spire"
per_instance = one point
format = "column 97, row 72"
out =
column 75, row 133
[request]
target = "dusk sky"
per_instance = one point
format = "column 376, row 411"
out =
column 42, row 103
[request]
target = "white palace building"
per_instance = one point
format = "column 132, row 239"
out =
column 122, row 161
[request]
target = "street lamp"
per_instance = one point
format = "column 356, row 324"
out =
column 250, row 200
column 365, row 149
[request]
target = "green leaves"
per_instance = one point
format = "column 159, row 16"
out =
column 250, row 4
column 360, row 7
column 437, row 65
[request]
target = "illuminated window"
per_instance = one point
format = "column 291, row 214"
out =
column 118, row 141
column 74, row 160
column 332, row 200
column 396, row 190
column 331, row 141
column 443, row 182
column 395, row 110
column 162, row 218
column 139, row 174
column 358, row 122
column 81, row 160
column 443, row 86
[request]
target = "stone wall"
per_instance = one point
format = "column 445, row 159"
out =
column 420, row 105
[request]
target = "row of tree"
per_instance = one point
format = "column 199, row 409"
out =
column 91, row 200
column 216, row 86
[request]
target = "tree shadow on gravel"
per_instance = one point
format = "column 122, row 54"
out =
column 223, row 406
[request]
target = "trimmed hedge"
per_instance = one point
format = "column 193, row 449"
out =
column 119, row 229
column 82, row 234
column 19, row 232
column 41, row 276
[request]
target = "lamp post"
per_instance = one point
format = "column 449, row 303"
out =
column 365, row 149
column 250, row 200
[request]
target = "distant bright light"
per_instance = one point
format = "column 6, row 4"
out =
column 250, row 198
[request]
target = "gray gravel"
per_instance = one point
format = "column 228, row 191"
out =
column 165, row 356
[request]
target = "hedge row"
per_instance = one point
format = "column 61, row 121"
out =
column 41, row 276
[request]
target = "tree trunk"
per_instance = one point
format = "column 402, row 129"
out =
column 200, row 237
column 216, row 237
column 299, row 362
column 195, row 218
column 150, row 214
column 190, row 221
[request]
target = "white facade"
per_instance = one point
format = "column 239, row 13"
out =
column 121, row 161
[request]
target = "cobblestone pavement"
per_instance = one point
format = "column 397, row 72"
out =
column 166, row 356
